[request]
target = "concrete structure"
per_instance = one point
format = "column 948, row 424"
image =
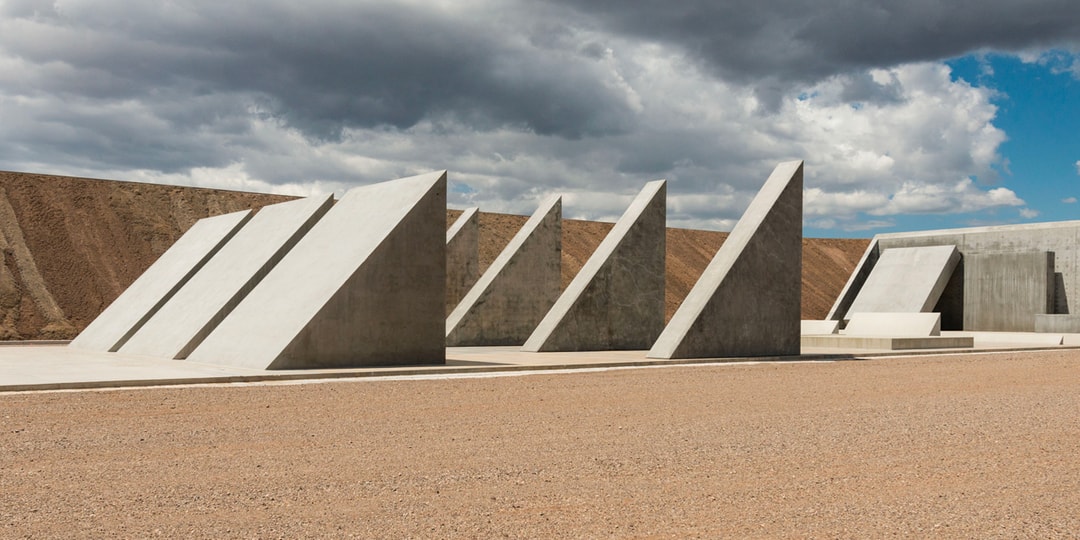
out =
column 517, row 290
column 118, row 322
column 747, row 302
column 616, row 301
column 1064, row 324
column 894, row 324
column 1005, row 291
column 364, row 287
column 906, row 280
column 1060, row 238
column 886, row 343
column 197, row 308
column 818, row 328
column 462, row 256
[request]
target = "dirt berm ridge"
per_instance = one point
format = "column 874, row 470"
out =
column 72, row 245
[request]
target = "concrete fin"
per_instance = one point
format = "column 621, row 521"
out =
column 747, row 302
column 364, row 287
column 906, row 280
column 118, row 322
column 519, row 287
column 196, row 309
column 462, row 256
column 616, row 301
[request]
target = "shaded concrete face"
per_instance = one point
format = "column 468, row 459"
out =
column 517, row 290
column 905, row 324
column 747, row 302
column 906, row 280
column 1069, row 324
column 201, row 304
column 1004, row 291
column 462, row 256
column 616, row 301
column 143, row 298
column 364, row 287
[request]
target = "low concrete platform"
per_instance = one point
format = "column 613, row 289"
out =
column 887, row 343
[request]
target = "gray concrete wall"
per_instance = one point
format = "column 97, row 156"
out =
column 1004, row 291
column 366, row 286
column 1068, row 324
column 517, row 290
column 747, row 302
column 118, row 322
column 462, row 256
column 906, row 280
column 616, row 301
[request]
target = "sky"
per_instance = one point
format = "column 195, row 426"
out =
column 914, row 115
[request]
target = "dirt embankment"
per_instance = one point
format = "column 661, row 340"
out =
column 72, row 245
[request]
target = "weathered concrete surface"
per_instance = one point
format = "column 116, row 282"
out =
column 887, row 343
column 894, row 324
column 1004, row 291
column 1062, row 238
column 197, row 308
column 906, row 280
column 1064, row 324
column 517, row 290
column 365, row 286
column 747, row 302
column 818, row 328
column 118, row 322
column 462, row 256
column 616, row 301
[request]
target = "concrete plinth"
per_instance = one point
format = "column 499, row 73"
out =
column 197, row 308
column 894, row 324
column 747, row 302
column 887, row 343
column 118, row 322
column 366, row 286
column 616, row 301
column 817, row 328
column 906, row 280
column 462, row 256
column 1005, row 291
column 517, row 290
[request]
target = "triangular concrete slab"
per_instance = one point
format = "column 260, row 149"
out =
column 197, row 308
column 118, row 322
column 747, row 302
column 364, row 287
column 906, row 280
column 616, row 300
column 517, row 290
column 462, row 256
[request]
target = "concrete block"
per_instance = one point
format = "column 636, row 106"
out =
column 118, row 322
column 906, row 280
column 1004, row 291
column 817, row 328
column 462, row 256
column 1059, row 324
column 1009, row 339
column 365, row 286
column 885, row 343
column 747, row 302
column 197, row 308
column 517, row 290
column 894, row 324
column 616, row 301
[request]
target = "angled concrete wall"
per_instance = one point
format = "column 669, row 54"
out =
column 906, row 280
column 364, row 287
column 747, row 302
column 118, row 322
column 903, row 324
column 462, row 256
column 517, row 290
column 197, row 308
column 1005, row 291
column 616, row 301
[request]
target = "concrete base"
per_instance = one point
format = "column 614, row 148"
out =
column 1060, row 324
column 1018, row 339
column 894, row 324
column 887, row 343
column 818, row 328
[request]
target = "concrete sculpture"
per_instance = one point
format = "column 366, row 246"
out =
column 366, row 286
column 118, row 322
column 197, row 308
column 616, row 300
column 747, row 302
column 517, row 290
column 906, row 280
column 462, row 256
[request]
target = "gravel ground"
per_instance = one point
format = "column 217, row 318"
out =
column 952, row 446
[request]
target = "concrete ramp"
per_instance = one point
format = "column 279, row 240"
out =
column 364, row 287
column 616, row 301
column 118, row 322
column 747, row 302
column 197, row 308
column 517, row 290
column 462, row 256
column 906, row 280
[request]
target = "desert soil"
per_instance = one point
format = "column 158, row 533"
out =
column 965, row 446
